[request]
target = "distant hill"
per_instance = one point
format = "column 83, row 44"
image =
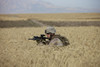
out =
column 36, row 6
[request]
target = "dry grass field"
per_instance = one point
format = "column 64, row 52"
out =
column 17, row 51
column 63, row 16
column 54, row 17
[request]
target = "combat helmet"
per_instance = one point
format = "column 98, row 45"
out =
column 50, row 30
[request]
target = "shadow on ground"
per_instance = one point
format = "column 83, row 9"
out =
column 30, row 23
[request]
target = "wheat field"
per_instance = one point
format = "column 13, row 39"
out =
column 62, row 16
column 54, row 17
column 17, row 51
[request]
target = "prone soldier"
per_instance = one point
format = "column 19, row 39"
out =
column 52, row 38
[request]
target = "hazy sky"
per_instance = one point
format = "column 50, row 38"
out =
column 76, row 3
column 46, row 6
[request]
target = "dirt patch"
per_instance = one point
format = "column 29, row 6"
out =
column 72, row 23
column 35, row 23
column 21, row 23
column 39, row 23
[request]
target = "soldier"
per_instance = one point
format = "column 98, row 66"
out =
column 54, row 39
column 51, row 38
column 50, row 32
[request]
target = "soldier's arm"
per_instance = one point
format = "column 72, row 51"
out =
column 56, row 41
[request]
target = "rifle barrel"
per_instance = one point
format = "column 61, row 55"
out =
column 30, row 39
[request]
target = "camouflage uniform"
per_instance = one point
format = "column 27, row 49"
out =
column 56, row 41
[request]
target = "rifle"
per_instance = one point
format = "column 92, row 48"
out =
column 38, row 39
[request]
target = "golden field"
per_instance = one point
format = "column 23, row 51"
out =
column 54, row 17
column 64, row 16
column 17, row 51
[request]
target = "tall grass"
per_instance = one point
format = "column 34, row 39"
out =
column 17, row 51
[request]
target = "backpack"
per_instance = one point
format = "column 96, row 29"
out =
column 63, row 39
